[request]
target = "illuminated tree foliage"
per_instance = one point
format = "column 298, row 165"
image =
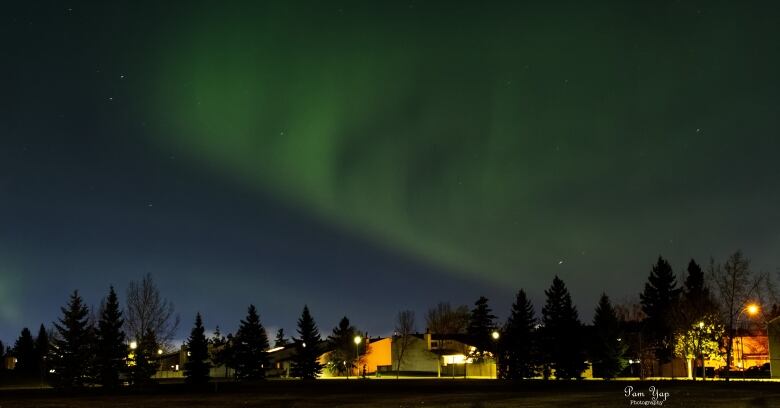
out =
column 562, row 334
column 196, row 369
column 608, row 347
column 71, row 354
column 307, row 348
column 250, row 346
column 700, row 340
column 519, row 348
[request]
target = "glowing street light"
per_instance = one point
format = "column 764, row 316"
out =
column 752, row 309
column 357, row 340
column 496, row 334
column 133, row 345
column 159, row 352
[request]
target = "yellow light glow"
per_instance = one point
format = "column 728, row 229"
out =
column 496, row 335
column 752, row 309
column 358, row 339
column 159, row 352
column 133, row 345
column 701, row 325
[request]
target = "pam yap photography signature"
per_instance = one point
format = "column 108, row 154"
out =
column 653, row 395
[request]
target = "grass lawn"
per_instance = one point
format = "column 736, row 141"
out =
column 413, row 393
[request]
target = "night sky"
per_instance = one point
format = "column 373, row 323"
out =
column 367, row 157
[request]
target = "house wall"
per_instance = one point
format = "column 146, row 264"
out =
column 416, row 357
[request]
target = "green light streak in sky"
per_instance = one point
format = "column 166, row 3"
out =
column 475, row 141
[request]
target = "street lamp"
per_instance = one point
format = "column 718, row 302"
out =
column 495, row 336
column 133, row 345
column 357, row 340
column 751, row 309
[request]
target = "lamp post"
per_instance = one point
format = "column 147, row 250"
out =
column 751, row 309
column 495, row 336
column 357, row 340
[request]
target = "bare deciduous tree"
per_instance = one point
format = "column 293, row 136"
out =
column 443, row 319
column 404, row 327
column 736, row 286
column 148, row 311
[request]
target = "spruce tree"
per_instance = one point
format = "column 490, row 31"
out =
column 71, row 355
column 219, row 350
column 696, row 295
column 251, row 345
column 608, row 347
column 42, row 348
column 562, row 333
column 144, row 360
column 343, row 355
column 280, row 340
column 26, row 358
column 305, row 363
column 481, row 327
column 196, row 369
column 658, row 301
column 111, row 350
column 519, row 355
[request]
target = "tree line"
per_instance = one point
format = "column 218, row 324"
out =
column 695, row 320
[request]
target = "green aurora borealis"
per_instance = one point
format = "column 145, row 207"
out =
column 479, row 138
column 365, row 157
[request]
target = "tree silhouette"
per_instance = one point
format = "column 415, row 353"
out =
column 71, row 355
column 26, row 357
column 280, row 340
column 608, row 347
column 307, row 346
column 250, row 346
column 220, row 350
column 562, row 333
column 481, row 327
column 42, row 348
column 658, row 299
column 404, row 327
column 196, row 369
column 144, row 360
column 519, row 356
column 111, row 350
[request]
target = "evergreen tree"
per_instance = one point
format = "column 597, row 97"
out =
column 307, row 346
column 71, row 356
column 251, row 345
column 280, row 340
column 144, row 363
column 481, row 327
column 343, row 356
column 608, row 347
column 42, row 351
column 658, row 301
column 26, row 358
column 520, row 356
column 696, row 295
column 562, row 333
column 110, row 349
column 219, row 350
column 196, row 369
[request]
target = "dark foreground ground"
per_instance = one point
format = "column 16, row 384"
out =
column 414, row 393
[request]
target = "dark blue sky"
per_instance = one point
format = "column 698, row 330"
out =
column 367, row 158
